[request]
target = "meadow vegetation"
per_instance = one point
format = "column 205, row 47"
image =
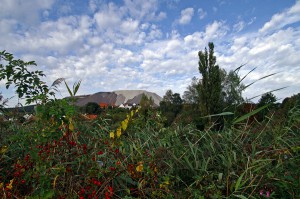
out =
column 206, row 145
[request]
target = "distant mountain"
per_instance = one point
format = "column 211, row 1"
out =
column 117, row 98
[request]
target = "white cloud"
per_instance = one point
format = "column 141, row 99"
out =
column 108, row 17
column 282, row 19
column 274, row 53
column 202, row 13
column 24, row 11
column 186, row 16
column 239, row 26
column 144, row 9
column 123, row 47
column 216, row 29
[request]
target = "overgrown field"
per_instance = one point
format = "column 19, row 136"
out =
column 77, row 158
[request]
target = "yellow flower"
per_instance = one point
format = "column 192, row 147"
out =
column 71, row 126
column 164, row 184
column 112, row 135
column 3, row 149
column 1, row 185
column 118, row 132
column 140, row 167
column 10, row 184
column 124, row 124
column 131, row 113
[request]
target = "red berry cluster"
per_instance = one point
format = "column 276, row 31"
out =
column 94, row 190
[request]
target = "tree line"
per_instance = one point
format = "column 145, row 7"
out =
column 217, row 91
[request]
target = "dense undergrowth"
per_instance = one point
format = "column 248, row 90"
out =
column 143, row 159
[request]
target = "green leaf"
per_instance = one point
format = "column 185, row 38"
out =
column 219, row 114
column 241, row 196
column 69, row 90
column 238, row 182
column 77, row 85
column 250, row 114
column 48, row 194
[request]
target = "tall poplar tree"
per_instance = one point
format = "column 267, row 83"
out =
column 211, row 87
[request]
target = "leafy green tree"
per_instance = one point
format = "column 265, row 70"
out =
column 168, row 96
column 146, row 104
column 232, row 88
column 211, row 85
column 28, row 84
column 171, row 106
column 92, row 108
column 267, row 98
column 192, row 94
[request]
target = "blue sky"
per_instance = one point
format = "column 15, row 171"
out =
column 153, row 44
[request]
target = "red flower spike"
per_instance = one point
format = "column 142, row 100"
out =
column 112, row 168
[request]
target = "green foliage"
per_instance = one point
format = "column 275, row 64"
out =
column 232, row 89
column 210, row 87
column 92, row 108
column 28, row 83
column 171, row 106
column 146, row 102
column 192, row 94
column 266, row 99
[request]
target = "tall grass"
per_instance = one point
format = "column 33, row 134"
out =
column 47, row 160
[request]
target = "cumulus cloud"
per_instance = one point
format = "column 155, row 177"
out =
column 273, row 53
column 124, row 47
column 289, row 16
column 186, row 16
column 216, row 29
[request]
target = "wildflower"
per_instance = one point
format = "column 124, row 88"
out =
column 109, row 193
column 164, row 184
column 112, row 135
column 118, row 132
column 3, row 149
column 261, row 192
column 140, row 167
column 112, row 168
column 268, row 194
column 1, row 185
column 124, row 124
column 9, row 186
column 100, row 153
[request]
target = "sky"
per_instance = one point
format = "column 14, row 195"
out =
column 153, row 45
